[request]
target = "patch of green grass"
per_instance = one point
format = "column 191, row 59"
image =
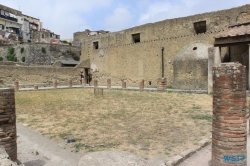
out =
column 63, row 135
column 34, row 121
column 203, row 117
column 21, row 120
column 196, row 107
column 79, row 146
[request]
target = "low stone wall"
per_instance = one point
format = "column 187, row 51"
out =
column 35, row 75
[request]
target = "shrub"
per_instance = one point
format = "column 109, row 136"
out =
column 1, row 58
column 70, row 43
column 21, row 50
column 43, row 50
column 64, row 41
column 23, row 59
column 11, row 56
column 11, row 50
column 75, row 57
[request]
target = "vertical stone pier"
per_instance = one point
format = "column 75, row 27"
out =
column 95, row 83
column 141, row 85
column 16, row 86
column 109, row 83
column 229, row 133
column 8, row 123
column 70, row 83
column 54, row 83
column 36, row 87
column 161, row 83
column 83, row 82
column 124, row 85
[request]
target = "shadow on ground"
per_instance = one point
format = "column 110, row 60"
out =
column 35, row 163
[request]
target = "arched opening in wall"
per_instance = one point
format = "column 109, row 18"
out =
column 150, row 83
column 43, row 36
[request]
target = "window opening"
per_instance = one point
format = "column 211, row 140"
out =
column 95, row 44
column 200, row 27
column 136, row 38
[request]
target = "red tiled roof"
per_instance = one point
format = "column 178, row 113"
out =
column 234, row 31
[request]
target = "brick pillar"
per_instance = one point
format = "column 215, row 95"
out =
column 142, row 85
column 83, row 82
column 70, row 83
column 248, row 81
column 124, row 85
column 229, row 133
column 8, row 123
column 54, row 83
column 16, row 86
column 35, row 87
column 161, row 83
column 95, row 83
column 109, row 83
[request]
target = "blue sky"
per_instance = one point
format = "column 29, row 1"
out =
column 64, row 17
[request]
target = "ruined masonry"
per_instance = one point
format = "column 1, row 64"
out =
column 8, row 122
column 229, row 133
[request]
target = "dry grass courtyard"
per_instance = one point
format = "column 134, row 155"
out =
column 146, row 123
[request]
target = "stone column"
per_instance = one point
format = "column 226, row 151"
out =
column 54, row 83
column 70, row 83
column 16, row 86
column 249, row 69
column 83, row 82
column 214, row 59
column 229, row 132
column 124, row 85
column 161, row 83
column 36, row 87
column 95, row 83
column 141, row 85
column 109, row 83
column 8, row 123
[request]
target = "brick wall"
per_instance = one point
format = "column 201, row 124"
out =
column 8, row 123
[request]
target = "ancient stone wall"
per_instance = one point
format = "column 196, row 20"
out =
column 38, row 74
column 119, row 57
column 34, row 55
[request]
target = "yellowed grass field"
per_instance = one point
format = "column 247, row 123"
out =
column 146, row 123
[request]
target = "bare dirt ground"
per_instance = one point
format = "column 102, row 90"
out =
column 149, row 124
column 35, row 149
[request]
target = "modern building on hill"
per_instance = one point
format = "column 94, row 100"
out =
column 182, row 50
column 15, row 26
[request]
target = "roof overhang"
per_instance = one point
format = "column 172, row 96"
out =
column 235, row 35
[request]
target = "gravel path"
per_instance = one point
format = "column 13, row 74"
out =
column 35, row 149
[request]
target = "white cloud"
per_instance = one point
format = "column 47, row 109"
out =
column 62, row 17
column 65, row 17
column 118, row 20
